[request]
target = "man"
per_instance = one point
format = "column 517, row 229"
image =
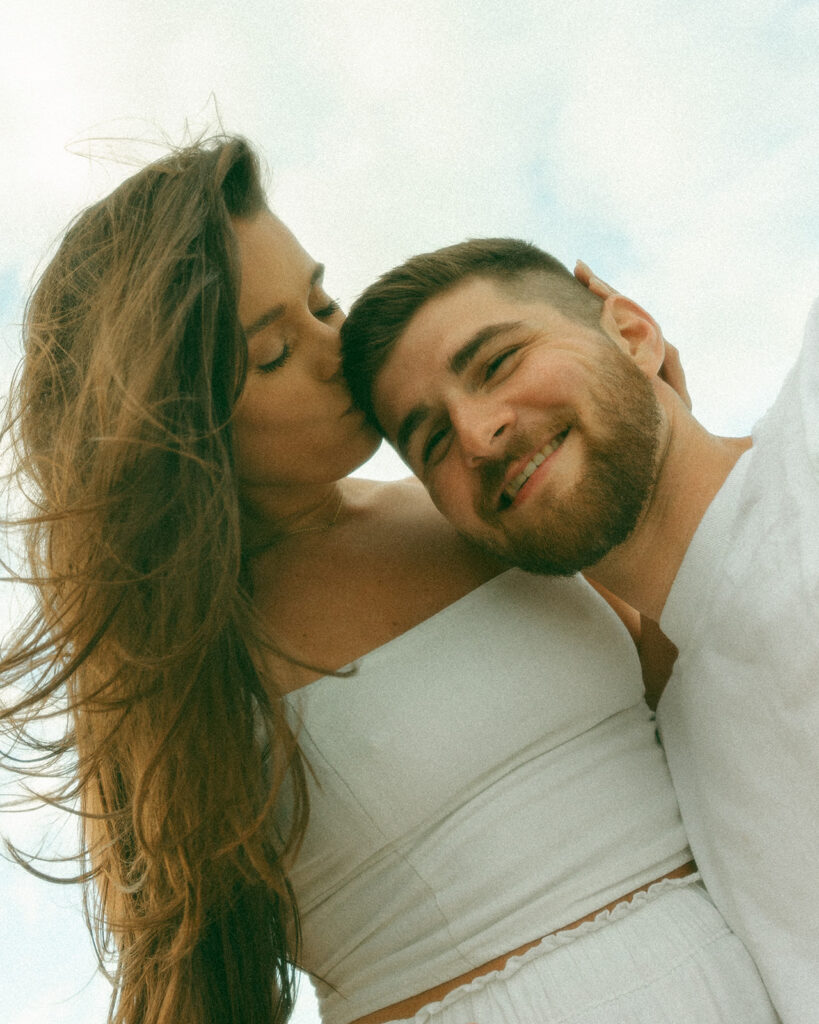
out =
column 537, row 416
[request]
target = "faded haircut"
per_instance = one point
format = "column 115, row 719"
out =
column 383, row 311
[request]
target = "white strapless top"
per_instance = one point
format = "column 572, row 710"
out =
column 480, row 781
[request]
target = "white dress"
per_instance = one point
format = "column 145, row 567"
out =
column 487, row 778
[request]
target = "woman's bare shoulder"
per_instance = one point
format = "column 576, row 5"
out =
column 391, row 563
column 403, row 514
column 388, row 496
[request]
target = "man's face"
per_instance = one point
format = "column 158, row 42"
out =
column 536, row 435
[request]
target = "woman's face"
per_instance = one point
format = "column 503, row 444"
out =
column 294, row 423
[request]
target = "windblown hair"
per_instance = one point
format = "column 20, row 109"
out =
column 142, row 644
column 383, row 311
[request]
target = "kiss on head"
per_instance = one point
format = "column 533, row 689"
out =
column 317, row 721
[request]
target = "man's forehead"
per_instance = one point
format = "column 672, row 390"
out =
column 402, row 385
column 436, row 347
column 420, row 353
column 458, row 312
column 459, row 317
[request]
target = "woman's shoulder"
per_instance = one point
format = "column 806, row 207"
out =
column 401, row 515
column 404, row 497
column 391, row 562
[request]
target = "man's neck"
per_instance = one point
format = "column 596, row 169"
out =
column 692, row 470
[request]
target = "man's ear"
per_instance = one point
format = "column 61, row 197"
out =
column 635, row 331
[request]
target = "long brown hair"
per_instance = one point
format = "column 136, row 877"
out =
column 142, row 640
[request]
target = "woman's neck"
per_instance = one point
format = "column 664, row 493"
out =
column 271, row 515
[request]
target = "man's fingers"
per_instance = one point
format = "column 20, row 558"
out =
column 582, row 271
column 673, row 374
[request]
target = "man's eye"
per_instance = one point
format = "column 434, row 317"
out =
column 495, row 364
column 433, row 442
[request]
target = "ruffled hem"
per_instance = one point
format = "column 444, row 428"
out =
column 552, row 942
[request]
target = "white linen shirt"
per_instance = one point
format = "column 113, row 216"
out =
column 739, row 719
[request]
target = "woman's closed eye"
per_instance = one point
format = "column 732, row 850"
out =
column 279, row 360
column 328, row 310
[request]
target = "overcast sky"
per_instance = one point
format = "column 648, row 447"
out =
column 672, row 146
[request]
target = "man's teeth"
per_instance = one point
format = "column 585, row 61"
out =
column 537, row 459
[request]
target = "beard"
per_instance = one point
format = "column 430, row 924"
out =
column 572, row 531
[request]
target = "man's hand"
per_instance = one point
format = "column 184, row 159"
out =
column 671, row 371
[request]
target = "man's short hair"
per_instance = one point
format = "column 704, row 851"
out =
column 382, row 313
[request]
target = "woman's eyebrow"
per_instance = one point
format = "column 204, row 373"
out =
column 268, row 317
column 275, row 312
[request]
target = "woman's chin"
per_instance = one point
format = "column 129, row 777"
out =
column 370, row 441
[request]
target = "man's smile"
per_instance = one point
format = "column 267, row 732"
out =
column 518, row 475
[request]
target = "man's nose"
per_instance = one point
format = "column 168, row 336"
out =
column 481, row 426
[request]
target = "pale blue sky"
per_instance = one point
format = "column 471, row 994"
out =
column 674, row 147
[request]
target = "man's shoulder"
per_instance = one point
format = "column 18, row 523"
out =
column 793, row 419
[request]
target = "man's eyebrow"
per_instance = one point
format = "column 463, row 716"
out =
column 410, row 423
column 458, row 362
column 466, row 353
column 275, row 312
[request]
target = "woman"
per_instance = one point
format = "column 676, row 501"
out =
column 485, row 776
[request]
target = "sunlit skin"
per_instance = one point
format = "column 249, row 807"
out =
column 482, row 380
column 295, row 433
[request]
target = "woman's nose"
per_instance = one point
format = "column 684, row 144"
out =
column 328, row 355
